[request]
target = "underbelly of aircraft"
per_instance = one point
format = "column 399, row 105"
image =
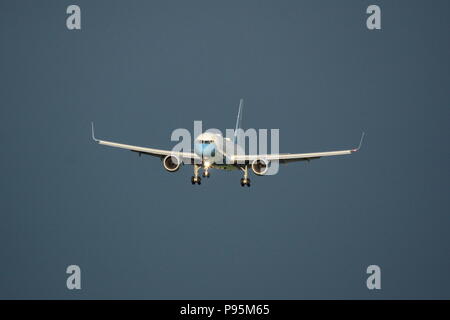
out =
column 224, row 166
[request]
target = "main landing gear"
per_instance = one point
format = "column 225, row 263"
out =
column 195, row 178
column 245, row 181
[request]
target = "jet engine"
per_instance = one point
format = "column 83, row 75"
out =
column 172, row 163
column 260, row 166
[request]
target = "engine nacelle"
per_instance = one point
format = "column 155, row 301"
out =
column 171, row 163
column 260, row 166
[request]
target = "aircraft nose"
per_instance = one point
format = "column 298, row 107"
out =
column 205, row 150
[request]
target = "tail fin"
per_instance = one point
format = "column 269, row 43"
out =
column 239, row 119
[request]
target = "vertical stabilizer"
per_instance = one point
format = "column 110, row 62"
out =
column 239, row 119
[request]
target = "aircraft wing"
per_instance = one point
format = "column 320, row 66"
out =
column 186, row 156
column 292, row 157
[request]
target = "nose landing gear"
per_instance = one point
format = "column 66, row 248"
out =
column 206, row 173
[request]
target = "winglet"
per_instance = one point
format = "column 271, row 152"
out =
column 360, row 142
column 93, row 135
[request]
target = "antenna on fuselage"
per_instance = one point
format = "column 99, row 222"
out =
column 239, row 119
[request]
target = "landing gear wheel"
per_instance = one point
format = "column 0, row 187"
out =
column 195, row 180
column 245, row 182
column 206, row 174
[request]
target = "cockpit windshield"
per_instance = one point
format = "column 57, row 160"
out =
column 206, row 141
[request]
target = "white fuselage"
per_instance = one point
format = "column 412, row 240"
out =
column 215, row 150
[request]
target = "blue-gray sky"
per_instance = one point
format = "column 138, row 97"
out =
column 140, row 69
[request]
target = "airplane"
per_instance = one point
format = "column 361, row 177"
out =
column 210, row 152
